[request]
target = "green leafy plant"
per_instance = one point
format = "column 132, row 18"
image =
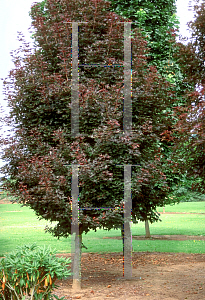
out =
column 30, row 272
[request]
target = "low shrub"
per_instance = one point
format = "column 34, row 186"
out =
column 30, row 273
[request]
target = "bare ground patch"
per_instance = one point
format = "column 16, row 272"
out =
column 163, row 237
column 156, row 276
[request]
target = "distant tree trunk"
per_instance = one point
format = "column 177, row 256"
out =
column 148, row 235
column 77, row 263
column 163, row 209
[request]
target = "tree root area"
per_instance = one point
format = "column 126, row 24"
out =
column 155, row 276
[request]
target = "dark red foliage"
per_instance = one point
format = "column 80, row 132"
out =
column 42, row 149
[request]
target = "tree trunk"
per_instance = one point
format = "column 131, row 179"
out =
column 148, row 235
column 163, row 209
column 77, row 263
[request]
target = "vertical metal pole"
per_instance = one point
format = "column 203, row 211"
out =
column 75, row 82
column 127, row 268
column 127, row 124
column 127, row 121
column 75, row 240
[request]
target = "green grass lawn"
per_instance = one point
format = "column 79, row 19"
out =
column 191, row 207
column 19, row 225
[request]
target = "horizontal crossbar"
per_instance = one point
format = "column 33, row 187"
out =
column 102, row 208
column 115, row 165
column 79, row 23
column 98, row 65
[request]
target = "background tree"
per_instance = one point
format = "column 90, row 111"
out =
column 158, row 21
column 184, row 191
column 191, row 125
column 42, row 148
column 159, row 25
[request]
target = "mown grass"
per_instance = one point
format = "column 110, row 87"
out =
column 191, row 207
column 19, row 225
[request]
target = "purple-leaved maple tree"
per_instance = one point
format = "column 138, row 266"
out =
column 40, row 153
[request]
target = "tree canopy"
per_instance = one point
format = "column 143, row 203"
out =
column 190, row 127
column 42, row 150
column 158, row 21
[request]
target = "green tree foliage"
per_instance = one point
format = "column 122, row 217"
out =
column 157, row 19
column 159, row 25
column 184, row 191
column 42, row 149
column 198, row 44
column 190, row 128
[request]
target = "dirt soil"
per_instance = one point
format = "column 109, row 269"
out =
column 155, row 276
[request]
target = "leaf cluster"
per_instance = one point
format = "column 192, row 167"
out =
column 30, row 272
column 157, row 20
